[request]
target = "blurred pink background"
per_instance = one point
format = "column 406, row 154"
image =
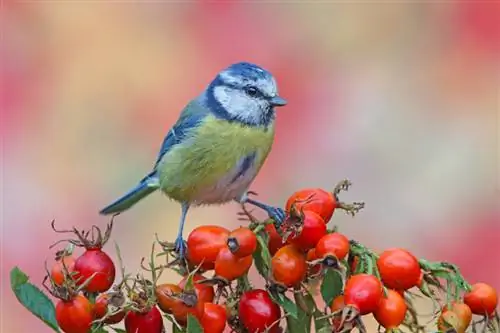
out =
column 401, row 98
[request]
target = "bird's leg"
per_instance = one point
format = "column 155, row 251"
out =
column 276, row 213
column 180, row 245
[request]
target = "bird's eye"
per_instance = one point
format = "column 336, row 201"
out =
column 251, row 91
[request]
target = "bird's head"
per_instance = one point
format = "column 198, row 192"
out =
column 246, row 93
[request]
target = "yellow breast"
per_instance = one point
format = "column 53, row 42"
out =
column 202, row 168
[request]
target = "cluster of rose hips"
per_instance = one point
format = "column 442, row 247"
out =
column 314, row 278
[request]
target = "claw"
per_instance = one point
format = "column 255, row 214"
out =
column 277, row 214
column 180, row 247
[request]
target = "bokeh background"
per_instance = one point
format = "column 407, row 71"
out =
column 400, row 97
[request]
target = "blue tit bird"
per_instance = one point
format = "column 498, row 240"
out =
column 216, row 148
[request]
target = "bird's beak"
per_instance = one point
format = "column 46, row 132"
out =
column 277, row 101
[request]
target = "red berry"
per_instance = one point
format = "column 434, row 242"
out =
column 257, row 312
column 482, row 299
column 230, row 267
column 275, row 240
column 289, row 266
column 75, row 315
column 242, row 242
column 213, row 319
column 98, row 265
column 315, row 200
column 144, row 322
column 399, row 269
column 363, row 292
column 334, row 244
column 312, row 229
column 204, row 292
column 391, row 310
column 165, row 296
column 204, row 244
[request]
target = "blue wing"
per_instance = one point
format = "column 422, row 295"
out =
column 190, row 118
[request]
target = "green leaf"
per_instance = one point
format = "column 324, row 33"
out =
column 303, row 323
column 305, row 302
column 32, row 298
column 331, row 286
column 321, row 325
column 193, row 326
column 287, row 304
column 99, row 330
column 262, row 257
column 300, row 325
column 189, row 286
column 17, row 278
column 441, row 274
column 370, row 266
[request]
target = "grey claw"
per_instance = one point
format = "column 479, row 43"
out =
column 180, row 247
column 278, row 215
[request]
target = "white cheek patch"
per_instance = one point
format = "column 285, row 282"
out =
column 238, row 104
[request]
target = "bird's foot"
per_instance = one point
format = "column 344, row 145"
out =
column 277, row 214
column 180, row 247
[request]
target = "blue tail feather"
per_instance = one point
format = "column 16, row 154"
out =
column 147, row 186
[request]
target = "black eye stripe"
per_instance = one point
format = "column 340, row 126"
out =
column 252, row 91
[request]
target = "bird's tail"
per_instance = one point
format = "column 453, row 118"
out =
column 147, row 186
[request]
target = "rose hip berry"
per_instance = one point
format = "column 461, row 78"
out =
column 289, row 266
column 363, row 292
column 482, row 299
column 309, row 230
column 144, row 322
column 399, row 269
column 242, row 242
column 94, row 269
column 334, row 244
column 258, row 313
column 95, row 264
column 75, row 315
column 391, row 310
column 315, row 200
column 213, row 319
column 204, row 244
column 230, row 267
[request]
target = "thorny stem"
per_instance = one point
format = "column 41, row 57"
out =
column 83, row 240
column 125, row 277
